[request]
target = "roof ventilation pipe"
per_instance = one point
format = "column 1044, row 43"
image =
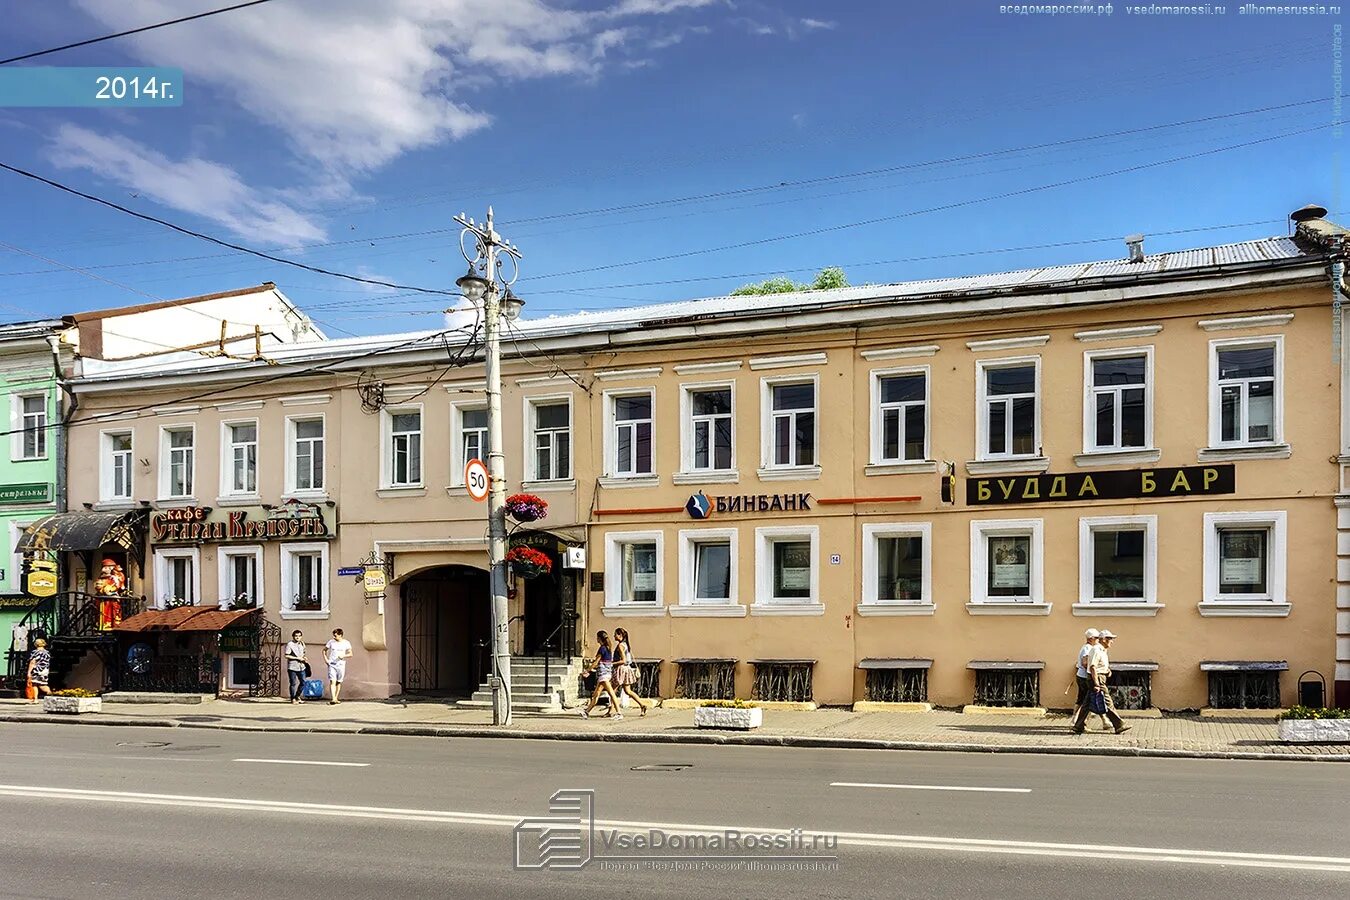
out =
column 1136, row 244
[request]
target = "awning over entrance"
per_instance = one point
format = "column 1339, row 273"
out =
column 184, row 618
column 84, row 531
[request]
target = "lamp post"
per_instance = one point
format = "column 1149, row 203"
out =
column 489, row 254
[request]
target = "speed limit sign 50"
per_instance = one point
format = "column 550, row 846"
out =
column 477, row 480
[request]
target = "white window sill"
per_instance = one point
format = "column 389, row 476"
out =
column 789, row 473
column 911, row 467
column 787, row 609
column 1034, row 464
column 711, row 476
column 541, row 487
column 24, row 459
column 411, row 490
column 175, row 502
column 629, row 481
column 632, row 611
column 1234, row 454
column 239, row 500
column 896, row 609
column 1111, row 608
column 1251, row 609
column 306, row 496
column 304, row 613
column 709, row 610
column 115, row 505
column 994, row 608
column 1090, row 458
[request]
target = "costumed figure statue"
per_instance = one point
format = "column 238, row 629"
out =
column 111, row 585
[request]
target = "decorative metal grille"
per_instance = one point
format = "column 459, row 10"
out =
column 1244, row 690
column 197, row 673
column 706, row 680
column 782, row 681
column 1130, row 690
column 897, row 685
column 1007, row 687
column 649, row 678
column 268, row 654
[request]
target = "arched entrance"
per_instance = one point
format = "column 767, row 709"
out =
column 446, row 628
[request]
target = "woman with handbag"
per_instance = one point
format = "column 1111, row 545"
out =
column 297, row 669
column 39, row 670
column 625, row 668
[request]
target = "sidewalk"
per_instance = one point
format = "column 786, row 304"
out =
column 1186, row 736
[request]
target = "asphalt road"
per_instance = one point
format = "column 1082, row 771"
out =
column 132, row 812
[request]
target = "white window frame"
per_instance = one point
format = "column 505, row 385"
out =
column 871, row 560
column 227, row 445
column 14, row 571
column 106, row 470
column 766, row 437
column 18, row 428
column 228, row 661
column 1276, row 600
column 166, row 461
column 690, row 539
column 387, row 446
column 458, row 459
column 765, row 603
column 531, row 467
column 1087, row 527
column 1090, row 400
column 223, row 573
column 289, row 584
column 875, row 405
column 612, row 426
column 982, row 399
column 293, row 460
column 980, row 531
column 162, row 555
column 615, row 602
column 1275, row 341
column 687, row 467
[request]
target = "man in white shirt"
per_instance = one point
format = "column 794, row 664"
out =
column 1081, row 673
column 336, row 653
column 1099, row 670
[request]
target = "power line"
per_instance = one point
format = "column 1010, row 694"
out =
column 143, row 28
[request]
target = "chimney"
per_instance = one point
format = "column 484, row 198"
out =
column 1136, row 244
column 1308, row 213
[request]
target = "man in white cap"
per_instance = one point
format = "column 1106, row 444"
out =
column 1099, row 670
column 1081, row 675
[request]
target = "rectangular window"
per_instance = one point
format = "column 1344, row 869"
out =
column 1245, row 562
column 240, row 577
column 473, row 432
column 116, row 466
column 241, row 457
column 1006, row 561
column 304, row 578
column 901, row 417
column 552, row 441
column 1009, row 396
column 712, row 571
column 180, row 462
column 793, row 424
column 632, row 434
column 638, row 568
column 1247, row 393
column 634, row 570
column 787, row 569
column 897, row 564
column 32, row 426
column 405, row 447
column 1118, row 402
column 177, row 577
column 710, row 429
column 1118, row 559
column 307, row 454
column 1009, row 571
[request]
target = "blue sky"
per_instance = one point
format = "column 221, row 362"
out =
column 340, row 132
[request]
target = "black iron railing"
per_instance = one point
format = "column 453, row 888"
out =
column 73, row 617
column 565, row 635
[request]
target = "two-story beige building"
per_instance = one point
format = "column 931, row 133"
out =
column 916, row 492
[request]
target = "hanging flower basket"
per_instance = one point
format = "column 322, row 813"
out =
column 528, row 562
column 526, row 507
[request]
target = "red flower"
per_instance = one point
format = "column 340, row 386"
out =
column 530, row 560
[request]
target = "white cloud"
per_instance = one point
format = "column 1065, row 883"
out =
column 208, row 189
column 818, row 24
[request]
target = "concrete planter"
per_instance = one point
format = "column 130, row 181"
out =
column 1312, row 731
column 738, row 718
column 73, row 705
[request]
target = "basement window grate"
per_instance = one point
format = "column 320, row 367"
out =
column 649, row 678
column 700, row 679
column 782, row 681
column 1008, row 687
column 1130, row 690
column 1244, row 690
column 897, row 685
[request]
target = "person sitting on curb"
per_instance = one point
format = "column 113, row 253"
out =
column 1099, row 670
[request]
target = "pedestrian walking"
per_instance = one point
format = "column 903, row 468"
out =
column 603, row 667
column 1081, row 672
column 1099, row 699
column 625, row 668
column 39, row 670
column 336, row 653
column 297, row 668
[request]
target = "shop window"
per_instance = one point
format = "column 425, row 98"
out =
column 1006, row 562
column 787, row 680
column 1245, row 562
column 633, row 560
column 706, row 679
column 787, row 567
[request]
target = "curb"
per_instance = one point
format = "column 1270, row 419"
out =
column 741, row 740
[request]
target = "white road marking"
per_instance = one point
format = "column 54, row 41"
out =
column 845, row 839
column 302, row 762
column 930, row 787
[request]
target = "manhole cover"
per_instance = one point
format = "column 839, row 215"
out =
column 189, row 748
column 663, row 767
column 143, row 745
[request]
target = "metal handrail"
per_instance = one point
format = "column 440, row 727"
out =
column 548, row 642
column 68, row 614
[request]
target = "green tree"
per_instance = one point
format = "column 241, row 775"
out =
column 832, row 277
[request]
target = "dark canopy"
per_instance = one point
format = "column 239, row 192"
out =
column 84, row 531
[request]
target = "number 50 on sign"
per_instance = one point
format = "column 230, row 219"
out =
column 477, row 480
